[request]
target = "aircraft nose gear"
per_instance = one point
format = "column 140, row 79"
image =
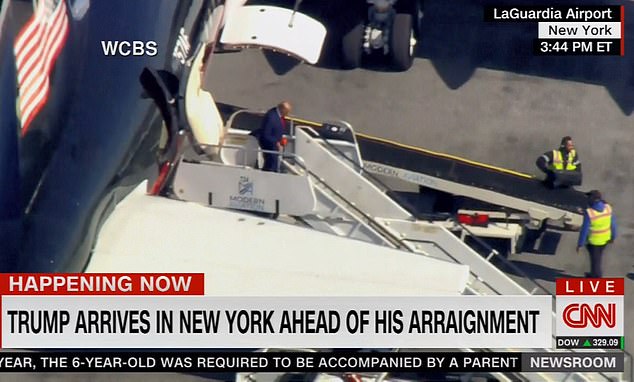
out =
column 386, row 29
column 377, row 39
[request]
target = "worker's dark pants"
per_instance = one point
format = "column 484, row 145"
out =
column 596, row 255
column 550, row 179
column 553, row 182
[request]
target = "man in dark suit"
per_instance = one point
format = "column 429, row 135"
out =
column 270, row 134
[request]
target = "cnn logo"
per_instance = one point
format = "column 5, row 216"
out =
column 581, row 315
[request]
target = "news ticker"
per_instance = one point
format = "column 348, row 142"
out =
column 569, row 30
column 308, row 362
column 170, row 311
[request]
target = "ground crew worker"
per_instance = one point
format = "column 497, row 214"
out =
column 562, row 160
column 598, row 230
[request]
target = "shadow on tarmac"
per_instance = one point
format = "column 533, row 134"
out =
column 538, row 243
column 537, row 272
column 457, row 41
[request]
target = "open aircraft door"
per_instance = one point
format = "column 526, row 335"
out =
column 274, row 28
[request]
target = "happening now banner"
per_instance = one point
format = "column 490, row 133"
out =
column 150, row 311
column 136, row 323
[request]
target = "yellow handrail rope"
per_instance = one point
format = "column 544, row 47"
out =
column 449, row 156
column 317, row 124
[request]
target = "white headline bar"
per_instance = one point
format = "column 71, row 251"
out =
column 276, row 322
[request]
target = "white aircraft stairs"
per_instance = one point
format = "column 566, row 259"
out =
column 326, row 189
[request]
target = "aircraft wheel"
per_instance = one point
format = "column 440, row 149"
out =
column 402, row 42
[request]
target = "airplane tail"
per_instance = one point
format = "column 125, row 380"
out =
column 11, row 210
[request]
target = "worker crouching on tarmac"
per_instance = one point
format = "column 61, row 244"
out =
column 561, row 166
column 598, row 230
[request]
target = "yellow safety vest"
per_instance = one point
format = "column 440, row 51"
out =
column 558, row 161
column 600, row 225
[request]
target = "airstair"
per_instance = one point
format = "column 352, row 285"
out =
column 323, row 185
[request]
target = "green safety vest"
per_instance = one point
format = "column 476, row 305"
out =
column 558, row 161
column 600, row 225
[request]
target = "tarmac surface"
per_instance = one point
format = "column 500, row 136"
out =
column 477, row 91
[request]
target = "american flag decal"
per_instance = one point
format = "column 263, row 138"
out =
column 36, row 48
